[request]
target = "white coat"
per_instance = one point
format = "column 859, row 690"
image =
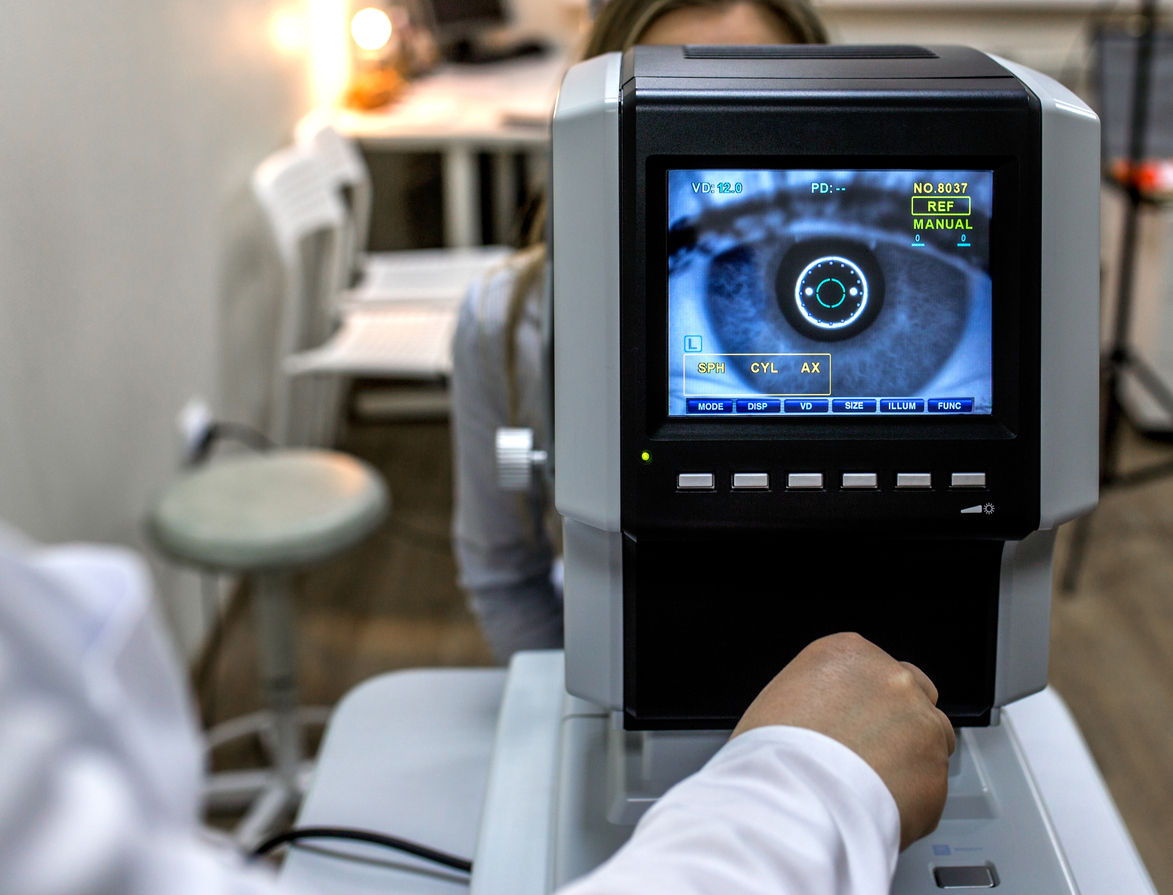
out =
column 100, row 760
column 100, row 765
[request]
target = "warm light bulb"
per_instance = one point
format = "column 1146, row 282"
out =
column 370, row 28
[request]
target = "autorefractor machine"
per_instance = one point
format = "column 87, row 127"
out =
column 825, row 352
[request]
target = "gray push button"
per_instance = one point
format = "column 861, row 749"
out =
column 694, row 481
column 751, row 480
column 968, row 480
column 860, row 480
column 804, row 481
column 914, row 480
column 979, row 877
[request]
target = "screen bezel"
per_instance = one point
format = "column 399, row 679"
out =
column 1004, row 265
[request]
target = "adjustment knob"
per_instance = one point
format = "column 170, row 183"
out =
column 516, row 459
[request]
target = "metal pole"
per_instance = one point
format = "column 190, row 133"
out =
column 1120, row 354
column 1138, row 127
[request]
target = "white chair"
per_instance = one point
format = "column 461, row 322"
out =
column 346, row 172
column 430, row 276
column 399, row 316
column 420, row 275
column 270, row 514
column 308, row 222
column 266, row 516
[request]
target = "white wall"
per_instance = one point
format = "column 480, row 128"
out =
column 133, row 272
column 128, row 131
column 1048, row 36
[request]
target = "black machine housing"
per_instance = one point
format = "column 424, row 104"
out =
column 723, row 587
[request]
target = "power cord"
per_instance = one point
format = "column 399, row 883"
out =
column 393, row 842
column 239, row 432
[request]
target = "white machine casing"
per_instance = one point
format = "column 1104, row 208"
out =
column 586, row 227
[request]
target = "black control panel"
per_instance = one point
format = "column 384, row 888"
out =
column 754, row 523
column 708, row 622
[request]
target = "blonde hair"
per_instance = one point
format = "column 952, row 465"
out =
column 618, row 28
column 622, row 23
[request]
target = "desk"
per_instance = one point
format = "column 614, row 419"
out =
column 459, row 111
column 405, row 753
column 408, row 754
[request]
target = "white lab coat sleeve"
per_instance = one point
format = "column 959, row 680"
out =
column 100, row 760
column 779, row 810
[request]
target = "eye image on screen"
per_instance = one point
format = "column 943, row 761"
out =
column 836, row 292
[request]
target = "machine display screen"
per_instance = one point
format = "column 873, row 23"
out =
column 857, row 292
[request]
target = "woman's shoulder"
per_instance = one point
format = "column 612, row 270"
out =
column 489, row 305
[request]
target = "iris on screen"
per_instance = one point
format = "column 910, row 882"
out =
column 830, row 284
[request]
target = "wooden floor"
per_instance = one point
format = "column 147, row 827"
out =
column 1112, row 655
column 394, row 603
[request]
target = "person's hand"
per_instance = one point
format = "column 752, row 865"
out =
column 883, row 710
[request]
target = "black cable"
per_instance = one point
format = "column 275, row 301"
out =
column 254, row 438
column 403, row 845
column 444, row 874
column 218, row 431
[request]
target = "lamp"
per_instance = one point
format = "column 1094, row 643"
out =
column 375, row 79
column 371, row 29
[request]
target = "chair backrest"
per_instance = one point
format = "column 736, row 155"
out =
column 343, row 165
column 307, row 220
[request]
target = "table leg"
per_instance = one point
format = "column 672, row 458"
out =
column 504, row 196
column 536, row 163
column 462, row 195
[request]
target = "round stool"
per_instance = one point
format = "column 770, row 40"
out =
column 265, row 516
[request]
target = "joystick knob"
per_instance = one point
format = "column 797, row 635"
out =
column 516, row 459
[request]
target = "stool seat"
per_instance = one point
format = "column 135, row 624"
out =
column 273, row 511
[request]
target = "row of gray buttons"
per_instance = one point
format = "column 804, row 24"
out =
column 749, row 481
column 813, row 481
column 925, row 480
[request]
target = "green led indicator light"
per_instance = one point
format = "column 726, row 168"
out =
column 646, row 457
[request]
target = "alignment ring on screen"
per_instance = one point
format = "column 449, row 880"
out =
column 831, row 292
column 830, row 289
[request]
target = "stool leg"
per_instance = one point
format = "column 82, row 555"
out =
column 273, row 605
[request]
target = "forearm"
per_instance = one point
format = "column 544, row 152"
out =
column 778, row 810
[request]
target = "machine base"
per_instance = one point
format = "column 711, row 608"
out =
column 586, row 784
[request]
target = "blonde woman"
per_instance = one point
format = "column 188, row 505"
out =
column 504, row 544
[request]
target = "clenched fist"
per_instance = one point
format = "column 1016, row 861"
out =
column 883, row 710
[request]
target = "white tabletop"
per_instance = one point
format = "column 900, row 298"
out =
column 504, row 105
column 1101, row 854
column 408, row 754
column 458, row 111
